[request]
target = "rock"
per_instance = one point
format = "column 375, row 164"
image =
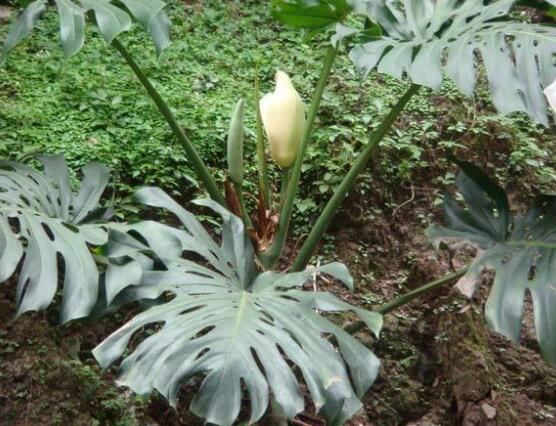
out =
column 5, row 13
column 488, row 410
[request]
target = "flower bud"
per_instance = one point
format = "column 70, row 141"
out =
column 235, row 145
column 283, row 114
column 550, row 93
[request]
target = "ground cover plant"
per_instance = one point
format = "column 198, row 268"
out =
column 231, row 312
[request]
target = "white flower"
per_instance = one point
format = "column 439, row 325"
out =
column 283, row 114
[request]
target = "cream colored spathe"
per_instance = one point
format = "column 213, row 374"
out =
column 283, row 114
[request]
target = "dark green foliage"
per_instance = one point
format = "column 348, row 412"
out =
column 313, row 15
column 520, row 249
column 234, row 326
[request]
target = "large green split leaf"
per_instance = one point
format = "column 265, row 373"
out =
column 422, row 38
column 248, row 334
column 23, row 26
column 41, row 220
column 520, row 249
column 60, row 234
column 134, row 248
column 111, row 17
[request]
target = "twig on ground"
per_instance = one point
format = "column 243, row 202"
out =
column 405, row 203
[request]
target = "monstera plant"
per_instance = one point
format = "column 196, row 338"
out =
column 236, row 314
column 424, row 38
column 420, row 39
column 41, row 217
column 226, row 319
column 42, row 221
column 520, row 249
column 239, row 327
column 111, row 18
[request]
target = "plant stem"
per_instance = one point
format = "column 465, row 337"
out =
column 264, row 186
column 286, row 173
column 270, row 257
column 407, row 298
column 198, row 165
column 244, row 213
column 358, row 167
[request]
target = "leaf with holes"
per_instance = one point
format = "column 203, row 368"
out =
column 242, row 331
column 521, row 251
column 111, row 18
column 134, row 248
column 421, row 38
column 42, row 220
